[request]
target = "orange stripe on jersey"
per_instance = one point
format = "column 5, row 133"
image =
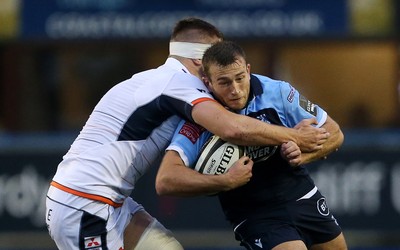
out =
column 85, row 195
column 202, row 100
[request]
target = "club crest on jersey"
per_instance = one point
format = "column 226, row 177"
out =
column 290, row 97
column 260, row 153
column 308, row 105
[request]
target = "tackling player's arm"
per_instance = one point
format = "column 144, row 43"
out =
column 243, row 130
column 333, row 143
column 174, row 178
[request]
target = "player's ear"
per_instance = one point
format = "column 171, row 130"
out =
column 248, row 68
column 197, row 62
column 206, row 81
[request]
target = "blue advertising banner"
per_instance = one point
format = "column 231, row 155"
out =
column 133, row 19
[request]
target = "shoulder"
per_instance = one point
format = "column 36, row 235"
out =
column 272, row 85
column 265, row 80
column 175, row 77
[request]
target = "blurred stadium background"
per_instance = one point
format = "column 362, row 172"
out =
column 58, row 57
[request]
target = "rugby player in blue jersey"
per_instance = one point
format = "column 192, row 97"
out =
column 279, row 207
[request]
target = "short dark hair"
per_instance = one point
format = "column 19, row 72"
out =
column 223, row 54
column 183, row 26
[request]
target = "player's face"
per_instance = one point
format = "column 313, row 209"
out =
column 231, row 84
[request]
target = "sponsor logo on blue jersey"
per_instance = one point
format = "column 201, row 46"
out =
column 260, row 153
column 308, row 105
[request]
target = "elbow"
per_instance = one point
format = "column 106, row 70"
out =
column 341, row 136
column 337, row 136
column 340, row 139
column 161, row 187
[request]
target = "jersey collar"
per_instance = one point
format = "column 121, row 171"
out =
column 255, row 86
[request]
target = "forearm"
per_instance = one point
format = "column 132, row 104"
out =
column 333, row 143
column 175, row 179
column 243, row 130
column 240, row 129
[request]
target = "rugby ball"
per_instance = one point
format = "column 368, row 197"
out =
column 217, row 156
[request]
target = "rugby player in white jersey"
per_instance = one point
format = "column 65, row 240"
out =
column 88, row 204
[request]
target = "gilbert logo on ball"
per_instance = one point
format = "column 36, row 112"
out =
column 217, row 156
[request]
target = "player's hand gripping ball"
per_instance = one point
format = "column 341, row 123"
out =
column 217, row 156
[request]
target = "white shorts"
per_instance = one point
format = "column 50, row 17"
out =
column 79, row 223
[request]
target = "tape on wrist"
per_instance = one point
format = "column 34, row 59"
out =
column 188, row 50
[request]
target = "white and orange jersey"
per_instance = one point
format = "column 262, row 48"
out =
column 128, row 132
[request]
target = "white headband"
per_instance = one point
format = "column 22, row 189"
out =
column 188, row 50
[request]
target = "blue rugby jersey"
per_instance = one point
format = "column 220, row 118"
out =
column 274, row 181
